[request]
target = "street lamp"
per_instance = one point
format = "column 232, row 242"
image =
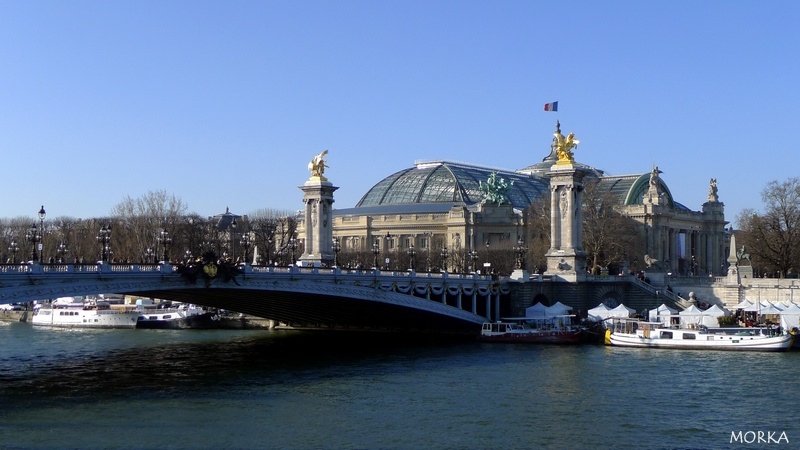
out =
column 473, row 256
column 233, row 239
column 292, row 247
column 270, row 238
column 149, row 254
column 164, row 240
column 245, row 243
column 62, row 251
column 520, row 250
column 444, row 259
column 411, row 255
column 13, row 247
column 33, row 236
column 336, row 249
column 376, row 250
column 104, row 239
column 187, row 256
column 42, row 215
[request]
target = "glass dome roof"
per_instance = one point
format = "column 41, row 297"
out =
column 448, row 182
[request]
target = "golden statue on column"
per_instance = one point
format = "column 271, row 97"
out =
column 564, row 146
column 317, row 166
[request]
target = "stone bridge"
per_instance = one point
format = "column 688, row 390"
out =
column 299, row 296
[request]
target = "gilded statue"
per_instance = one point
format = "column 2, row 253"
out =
column 564, row 146
column 317, row 166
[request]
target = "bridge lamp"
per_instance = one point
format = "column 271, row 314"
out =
column 444, row 259
column 292, row 247
column 42, row 215
column 245, row 243
column 104, row 239
column 520, row 250
column 33, row 236
column 336, row 249
column 164, row 240
column 13, row 247
column 188, row 256
column 473, row 256
column 411, row 255
column 62, row 251
column 269, row 246
column 376, row 250
column 149, row 254
column 233, row 239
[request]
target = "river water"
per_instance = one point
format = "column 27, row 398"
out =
column 288, row 389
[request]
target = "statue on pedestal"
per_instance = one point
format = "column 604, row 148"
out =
column 317, row 166
column 564, row 146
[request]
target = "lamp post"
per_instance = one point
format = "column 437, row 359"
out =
column 187, row 256
column 245, row 243
column 33, row 236
column 13, row 247
column 411, row 257
column 62, row 251
column 336, row 248
column 520, row 250
column 376, row 250
column 444, row 259
column 104, row 239
column 164, row 240
column 149, row 254
column 473, row 257
column 292, row 247
column 233, row 239
column 270, row 240
column 42, row 215
column 388, row 241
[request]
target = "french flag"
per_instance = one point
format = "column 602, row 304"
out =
column 551, row 106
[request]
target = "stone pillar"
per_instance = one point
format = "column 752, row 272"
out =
column 318, row 198
column 566, row 259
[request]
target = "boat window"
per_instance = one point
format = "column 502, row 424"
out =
column 689, row 336
column 666, row 335
column 168, row 316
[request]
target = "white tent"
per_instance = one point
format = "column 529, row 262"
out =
column 537, row 310
column 744, row 304
column 621, row 311
column 559, row 309
column 709, row 316
column 762, row 307
column 790, row 317
column 598, row 313
column 661, row 314
column 690, row 316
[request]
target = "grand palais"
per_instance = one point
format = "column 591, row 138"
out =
column 442, row 204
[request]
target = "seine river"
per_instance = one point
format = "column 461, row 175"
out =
column 299, row 390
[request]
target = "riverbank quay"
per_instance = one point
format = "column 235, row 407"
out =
column 237, row 322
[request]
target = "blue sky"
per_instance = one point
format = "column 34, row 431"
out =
column 223, row 103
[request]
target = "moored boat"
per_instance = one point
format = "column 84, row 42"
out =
column 635, row 333
column 94, row 314
column 555, row 330
column 184, row 317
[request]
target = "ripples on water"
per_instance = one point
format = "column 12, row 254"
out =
column 258, row 389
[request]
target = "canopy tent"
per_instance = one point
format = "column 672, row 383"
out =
column 598, row 313
column 559, row 309
column 790, row 317
column 709, row 316
column 540, row 311
column 690, row 316
column 537, row 310
column 621, row 311
column 661, row 314
column 744, row 304
column 762, row 307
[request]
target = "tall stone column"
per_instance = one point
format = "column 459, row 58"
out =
column 318, row 199
column 566, row 258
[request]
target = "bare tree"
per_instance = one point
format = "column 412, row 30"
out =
column 772, row 237
column 138, row 221
column 608, row 236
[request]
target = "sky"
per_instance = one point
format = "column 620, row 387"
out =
column 224, row 103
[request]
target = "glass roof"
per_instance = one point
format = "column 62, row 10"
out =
column 442, row 182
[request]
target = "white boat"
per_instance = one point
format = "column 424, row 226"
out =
column 552, row 330
column 635, row 333
column 185, row 316
column 95, row 314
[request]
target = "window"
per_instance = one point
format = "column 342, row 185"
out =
column 666, row 335
column 689, row 336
